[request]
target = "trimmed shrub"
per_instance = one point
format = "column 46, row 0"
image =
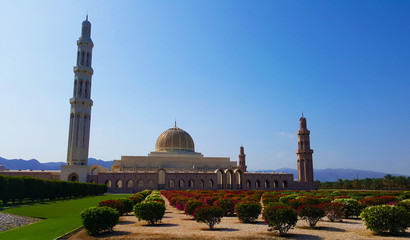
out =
column 209, row 214
column 373, row 201
column 150, row 211
column 155, row 198
column 97, row 219
column 248, row 211
column 351, row 207
column 136, row 198
column 404, row 203
column 226, row 204
column 279, row 217
column 386, row 218
column 333, row 210
column 311, row 213
column 191, row 206
column 116, row 204
column 129, row 204
column 145, row 193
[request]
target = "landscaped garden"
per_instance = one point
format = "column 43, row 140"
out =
column 324, row 214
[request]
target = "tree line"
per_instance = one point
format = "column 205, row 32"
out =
column 35, row 189
column 389, row 182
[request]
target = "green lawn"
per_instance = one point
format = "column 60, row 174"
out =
column 59, row 217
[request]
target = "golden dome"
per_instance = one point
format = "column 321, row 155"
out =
column 174, row 140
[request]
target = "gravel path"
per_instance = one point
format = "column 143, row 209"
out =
column 9, row 221
column 176, row 225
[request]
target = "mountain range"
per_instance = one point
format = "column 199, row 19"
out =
column 323, row 175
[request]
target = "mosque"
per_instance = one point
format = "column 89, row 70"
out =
column 174, row 164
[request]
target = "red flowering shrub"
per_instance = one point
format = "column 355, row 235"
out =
column 333, row 210
column 248, row 211
column 311, row 213
column 116, row 204
column 227, row 204
column 373, row 201
column 279, row 217
column 209, row 214
column 191, row 206
column 208, row 200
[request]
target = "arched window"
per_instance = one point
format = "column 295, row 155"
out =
column 130, row 184
column 86, row 89
column 191, row 184
column 181, row 183
column 88, row 59
column 108, row 183
column 119, row 184
column 210, row 184
column 84, row 132
column 219, row 179
column 151, row 183
column 171, row 183
column 229, row 180
column 238, row 179
column 275, row 184
column 94, row 171
column 73, row 177
column 248, row 184
column 161, row 176
column 201, row 184
column 92, row 181
column 140, row 183
column 285, row 184
column 75, row 88
column 257, row 184
column 80, row 91
column 78, row 57
column 82, row 58
column 266, row 184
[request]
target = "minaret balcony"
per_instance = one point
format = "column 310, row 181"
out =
column 83, row 69
column 303, row 151
column 79, row 100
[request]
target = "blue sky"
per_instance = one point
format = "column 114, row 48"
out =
column 230, row 72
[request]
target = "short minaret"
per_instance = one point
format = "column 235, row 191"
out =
column 242, row 163
column 304, row 153
column 80, row 114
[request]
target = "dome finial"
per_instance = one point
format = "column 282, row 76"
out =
column 175, row 123
column 86, row 17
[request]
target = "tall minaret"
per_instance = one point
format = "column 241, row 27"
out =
column 242, row 163
column 81, row 103
column 304, row 153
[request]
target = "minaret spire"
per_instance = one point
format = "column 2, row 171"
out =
column 80, row 114
column 242, row 161
column 304, row 153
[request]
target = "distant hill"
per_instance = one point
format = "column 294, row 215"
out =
column 323, row 175
column 333, row 174
column 34, row 164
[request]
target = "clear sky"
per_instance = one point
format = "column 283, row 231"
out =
column 230, row 72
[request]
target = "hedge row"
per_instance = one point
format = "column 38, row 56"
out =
column 20, row 188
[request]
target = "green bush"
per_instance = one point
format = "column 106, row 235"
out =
column 209, row 214
column 145, row 193
column 128, row 203
column 311, row 213
column 404, row 203
column 136, row 198
column 386, row 218
column 154, row 198
column 191, row 206
column 149, row 211
column 248, row 211
column 97, row 219
column 226, row 204
column 351, row 207
column 279, row 217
